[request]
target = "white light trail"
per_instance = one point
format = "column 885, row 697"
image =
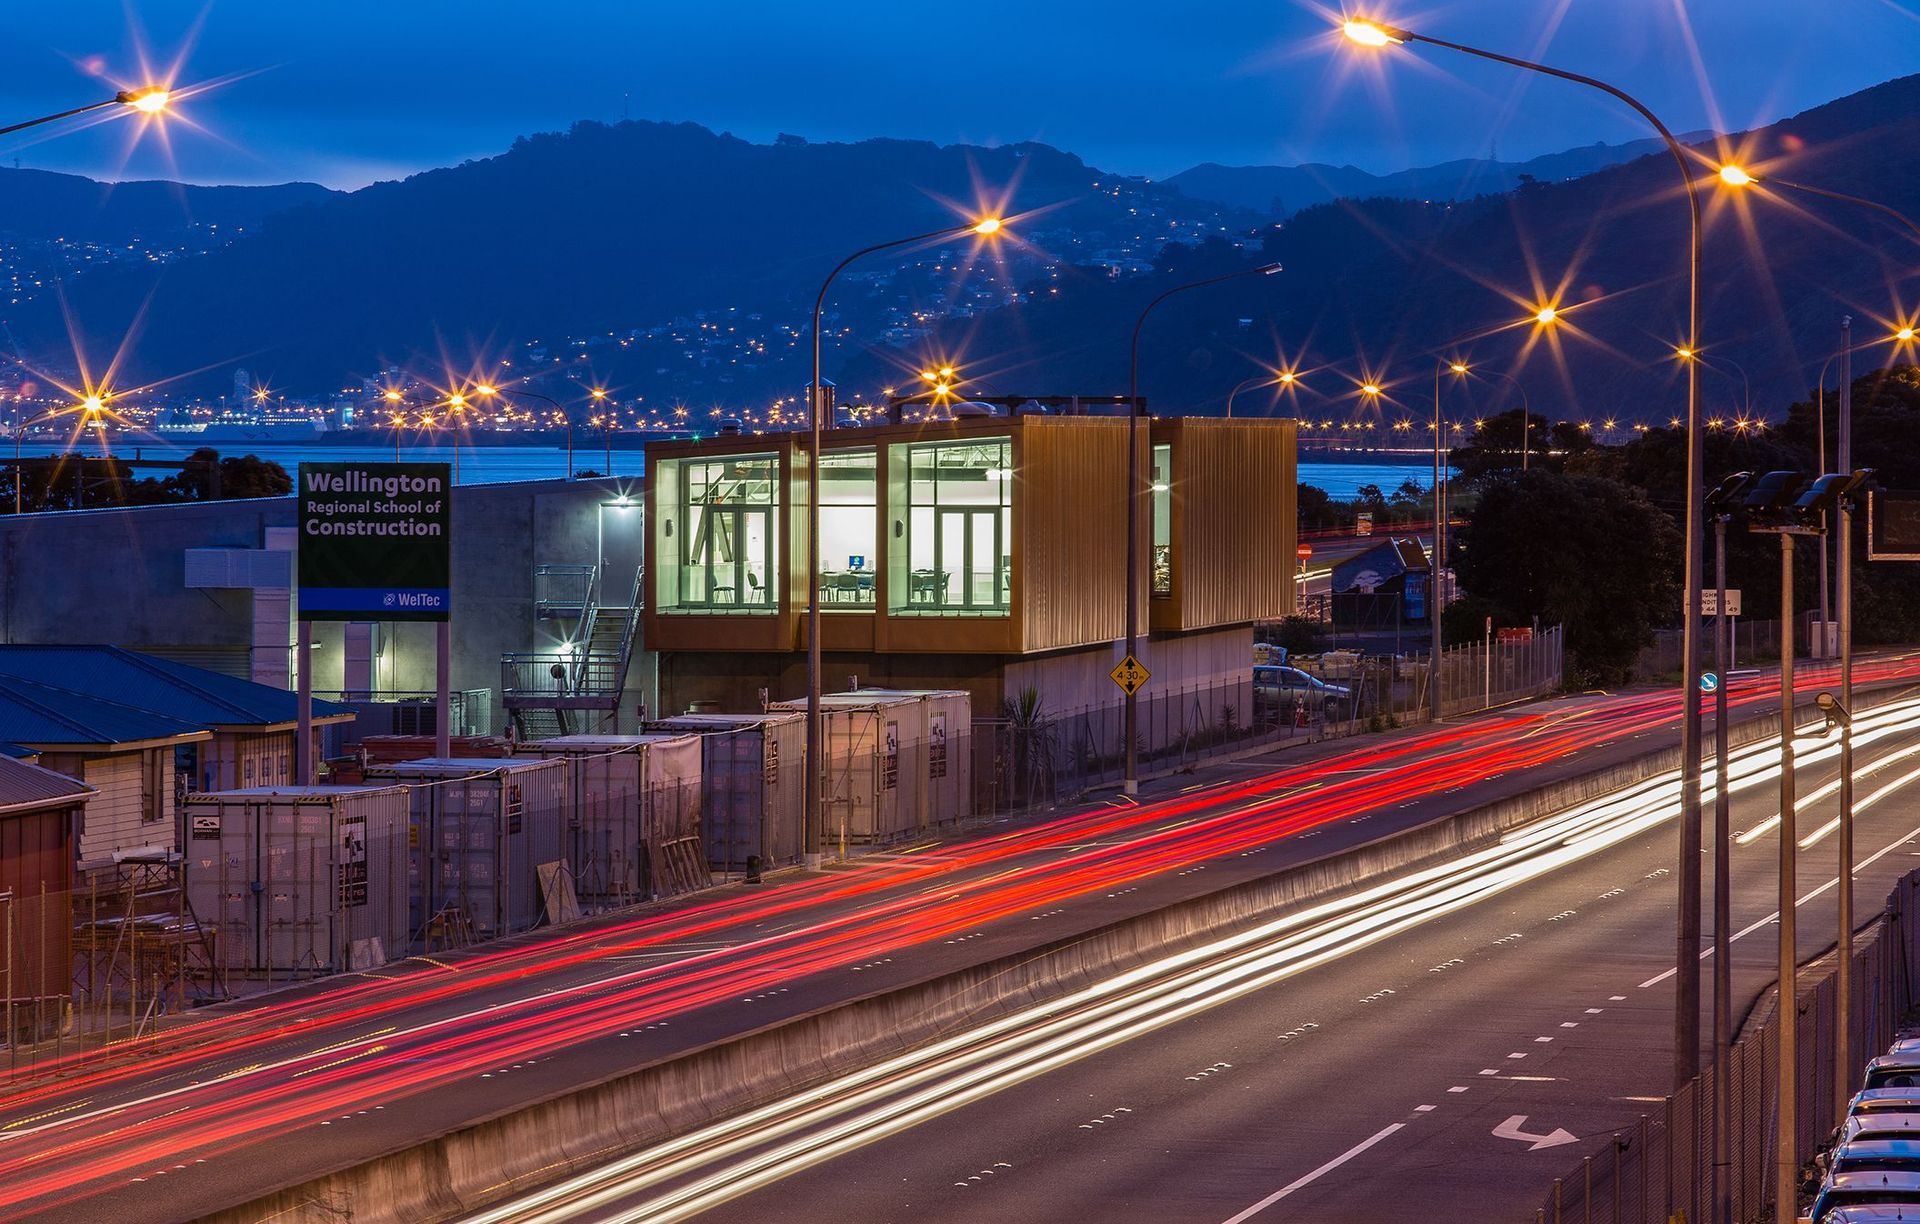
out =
column 722, row 1161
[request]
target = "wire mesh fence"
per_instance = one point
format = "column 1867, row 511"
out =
column 1032, row 758
column 1663, row 1164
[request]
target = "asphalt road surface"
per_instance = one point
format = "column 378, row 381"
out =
column 1439, row 1049
column 302, row 1081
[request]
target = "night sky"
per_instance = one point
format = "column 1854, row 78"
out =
column 349, row 91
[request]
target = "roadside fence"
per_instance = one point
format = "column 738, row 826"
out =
column 1034, row 758
column 1662, row 1165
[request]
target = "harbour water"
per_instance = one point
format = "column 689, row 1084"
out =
column 498, row 464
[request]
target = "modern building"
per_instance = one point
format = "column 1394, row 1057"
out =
column 985, row 553
column 544, row 575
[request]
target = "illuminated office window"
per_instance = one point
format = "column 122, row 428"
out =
column 717, row 527
column 955, row 535
column 849, row 530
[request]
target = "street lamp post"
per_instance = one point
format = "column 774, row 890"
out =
column 1131, row 784
column 1686, row 1052
column 395, row 399
column 488, row 390
column 1722, row 505
column 1438, row 565
column 149, row 101
column 986, row 227
column 606, row 423
column 1285, row 378
column 1740, row 176
column 94, row 406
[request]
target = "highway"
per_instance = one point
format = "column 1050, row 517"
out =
column 1448, row 1042
column 310, row 1079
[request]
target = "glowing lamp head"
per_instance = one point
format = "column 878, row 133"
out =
column 392, row 397
column 1287, row 378
column 1546, row 314
column 987, row 226
column 1684, row 354
column 599, row 393
column 93, row 405
column 1458, row 367
column 1371, row 33
column 1735, row 176
column 1904, row 335
column 486, row 389
column 149, row 101
column 456, row 400
column 1369, row 388
column 946, row 373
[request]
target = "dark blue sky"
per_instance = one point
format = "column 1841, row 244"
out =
column 348, row 91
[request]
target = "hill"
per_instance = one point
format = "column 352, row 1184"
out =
column 678, row 263
column 575, row 243
column 43, row 205
column 1395, row 282
column 1284, row 190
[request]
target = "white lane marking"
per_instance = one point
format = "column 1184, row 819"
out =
column 1858, row 867
column 1425, row 1108
column 1462, row 1088
column 1569, row 1024
column 1490, row 1071
column 1314, row 1176
column 1594, row 1011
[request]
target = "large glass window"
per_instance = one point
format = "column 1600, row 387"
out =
column 957, row 554
column 718, row 531
column 1163, row 520
column 849, row 521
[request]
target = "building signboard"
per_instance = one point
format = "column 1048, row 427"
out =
column 374, row 541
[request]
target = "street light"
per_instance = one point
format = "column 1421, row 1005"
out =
column 488, row 390
column 149, row 101
column 92, row 407
column 1281, row 378
column 1723, row 505
column 1686, row 1042
column 1131, row 783
column 599, row 395
column 985, row 227
column 1437, row 567
column 1739, row 176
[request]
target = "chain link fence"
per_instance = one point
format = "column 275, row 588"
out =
column 1032, row 758
column 1663, row 1165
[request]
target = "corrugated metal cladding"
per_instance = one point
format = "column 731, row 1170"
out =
column 1234, row 520
column 36, row 872
column 116, row 818
column 1070, row 526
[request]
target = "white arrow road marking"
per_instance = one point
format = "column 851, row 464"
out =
column 1510, row 1129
